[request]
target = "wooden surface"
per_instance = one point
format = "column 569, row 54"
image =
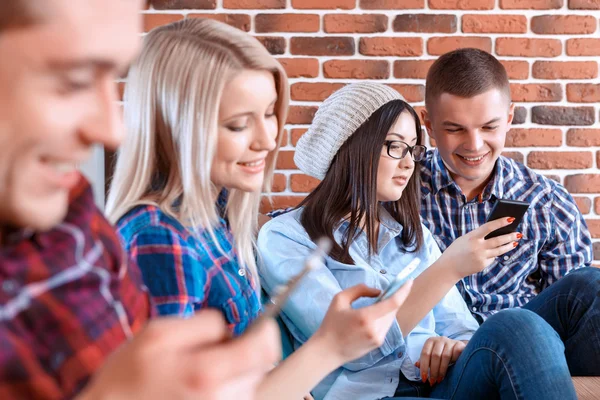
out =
column 587, row 387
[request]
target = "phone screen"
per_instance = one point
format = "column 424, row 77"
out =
column 507, row 208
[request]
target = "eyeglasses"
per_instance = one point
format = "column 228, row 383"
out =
column 398, row 149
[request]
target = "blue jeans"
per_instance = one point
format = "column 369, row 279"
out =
column 515, row 354
column 572, row 307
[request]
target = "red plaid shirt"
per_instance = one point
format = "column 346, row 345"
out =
column 67, row 300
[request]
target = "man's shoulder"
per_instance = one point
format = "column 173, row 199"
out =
column 148, row 218
column 522, row 183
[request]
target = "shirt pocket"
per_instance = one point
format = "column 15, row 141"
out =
column 240, row 310
column 506, row 274
column 350, row 275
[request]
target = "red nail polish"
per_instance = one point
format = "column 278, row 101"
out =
column 511, row 219
column 431, row 381
column 519, row 235
column 515, row 244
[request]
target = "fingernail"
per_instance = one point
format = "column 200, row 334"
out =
column 431, row 381
column 515, row 244
column 511, row 219
column 424, row 378
column 519, row 235
column 417, row 364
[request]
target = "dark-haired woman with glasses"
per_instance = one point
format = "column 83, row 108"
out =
column 363, row 145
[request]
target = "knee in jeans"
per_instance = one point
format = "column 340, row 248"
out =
column 521, row 326
column 584, row 279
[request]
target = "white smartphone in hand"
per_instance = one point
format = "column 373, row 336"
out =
column 399, row 280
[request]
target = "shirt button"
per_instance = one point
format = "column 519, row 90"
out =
column 400, row 354
column 9, row 286
column 241, row 272
column 383, row 271
column 474, row 309
column 505, row 258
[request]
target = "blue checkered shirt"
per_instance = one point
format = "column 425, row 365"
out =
column 555, row 236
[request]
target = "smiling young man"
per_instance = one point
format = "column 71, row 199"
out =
column 468, row 114
column 68, row 297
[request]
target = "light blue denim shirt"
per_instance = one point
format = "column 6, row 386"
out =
column 283, row 245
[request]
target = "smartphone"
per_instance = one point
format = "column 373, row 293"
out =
column 399, row 280
column 313, row 261
column 507, row 208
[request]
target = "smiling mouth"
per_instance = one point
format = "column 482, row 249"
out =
column 473, row 159
column 252, row 164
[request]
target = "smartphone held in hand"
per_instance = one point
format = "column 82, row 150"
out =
column 507, row 208
column 399, row 280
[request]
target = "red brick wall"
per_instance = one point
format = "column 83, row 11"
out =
column 549, row 47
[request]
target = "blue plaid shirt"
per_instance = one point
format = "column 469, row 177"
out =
column 555, row 236
column 185, row 272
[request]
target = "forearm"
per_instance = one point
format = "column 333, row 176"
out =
column 298, row 374
column 427, row 291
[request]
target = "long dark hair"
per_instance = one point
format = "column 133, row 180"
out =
column 350, row 188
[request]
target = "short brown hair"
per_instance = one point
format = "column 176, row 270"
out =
column 16, row 14
column 465, row 73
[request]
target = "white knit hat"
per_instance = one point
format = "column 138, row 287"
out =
column 338, row 117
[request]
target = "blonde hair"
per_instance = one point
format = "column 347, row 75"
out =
column 172, row 102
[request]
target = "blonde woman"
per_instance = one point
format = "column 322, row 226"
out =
column 205, row 108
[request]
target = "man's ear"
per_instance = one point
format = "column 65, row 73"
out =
column 427, row 123
column 511, row 113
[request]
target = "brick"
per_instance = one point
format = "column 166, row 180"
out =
column 285, row 160
column 411, row 93
column 296, row 133
column 322, row 46
column 391, row 46
column 301, row 114
column 286, row 23
column 583, row 47
column 300, row 67
column 555, row 178
column 583, row 183
column 301, row 183
column 274, row 44
column 583, row 92
column 596, row 205
column 425, row 23
column 596, row 253
column 560, row 159
column 578, row 137
column 151, row 21
column 584, row 4
column 442, row 45
column 516, row 69
column 279, row 183
column 520, row 116
column 565, row 69
column 519, row 137
column 391, row 4
column 240, row 21
column 563, row 24
column 594, row 227
column 527, row 47
column 544, row 92
column 313, row 91
column 184, row 4
column 531, row 4
column 324, row 4
column 461, row 4
column 356, row 69
column 254, row 4
column 478, row 23
column 412, row 69
column 584, row 204
column 556, row 115
column 514, row 155
column 279, row 202
column 354, row 23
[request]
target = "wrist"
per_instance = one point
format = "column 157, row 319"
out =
column 447, row 270
column 322, row 344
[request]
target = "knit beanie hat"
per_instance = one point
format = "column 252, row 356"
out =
column 338, row 117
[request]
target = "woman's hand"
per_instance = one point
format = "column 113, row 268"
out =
column 471, row 253
column 437, row 354
column 350, row 333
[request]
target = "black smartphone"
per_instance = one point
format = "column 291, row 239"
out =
column 507, row 208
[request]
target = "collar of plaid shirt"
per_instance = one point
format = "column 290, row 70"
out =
column 67, row 300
